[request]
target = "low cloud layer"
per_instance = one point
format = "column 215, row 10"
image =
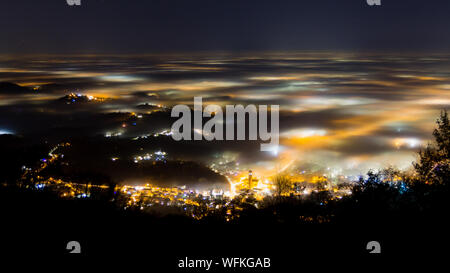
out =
column 344, row 111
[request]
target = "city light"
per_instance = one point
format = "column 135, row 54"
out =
column 5, row 132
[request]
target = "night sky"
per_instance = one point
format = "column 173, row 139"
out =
column 120, row 26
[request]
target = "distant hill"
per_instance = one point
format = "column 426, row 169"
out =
column 90, row 160
column 9, row 88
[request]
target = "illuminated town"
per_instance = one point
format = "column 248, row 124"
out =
column 243, row 186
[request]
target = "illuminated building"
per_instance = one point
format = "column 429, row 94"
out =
column 217, row 193
column 247, row 183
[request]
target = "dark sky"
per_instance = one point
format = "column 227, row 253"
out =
column 134, row 26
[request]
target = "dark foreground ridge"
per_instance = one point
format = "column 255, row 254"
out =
column 39, row 224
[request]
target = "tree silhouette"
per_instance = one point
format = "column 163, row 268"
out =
column 282, row 184
column 433, row 164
